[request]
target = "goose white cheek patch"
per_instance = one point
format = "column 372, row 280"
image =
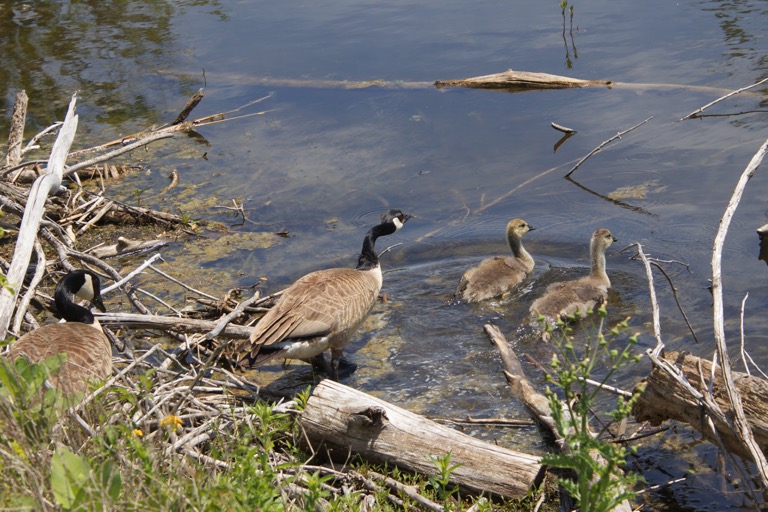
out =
column 86, row 291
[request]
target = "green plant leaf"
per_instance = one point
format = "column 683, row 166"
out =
column 69, row 477
column 111, row 481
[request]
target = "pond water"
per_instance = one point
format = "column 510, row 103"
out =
column 324, row 161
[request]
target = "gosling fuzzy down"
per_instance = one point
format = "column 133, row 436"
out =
column 565, row 298
column 497, row 276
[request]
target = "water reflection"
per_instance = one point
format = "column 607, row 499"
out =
column 101, row 49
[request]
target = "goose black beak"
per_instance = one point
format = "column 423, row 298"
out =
column 99, row 304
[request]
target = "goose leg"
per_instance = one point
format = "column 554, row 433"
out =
column 320, row 363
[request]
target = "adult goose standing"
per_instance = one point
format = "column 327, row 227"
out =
column 499, row 275
column 88, row 350
column 567, row 297
column 321, row 310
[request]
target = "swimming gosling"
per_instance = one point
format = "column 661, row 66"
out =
column 499, row 275
column 321, row 310
column 88, row 350
column 567, row 297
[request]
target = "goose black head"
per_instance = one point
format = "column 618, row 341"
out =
column 81, row 283
column 396, row 217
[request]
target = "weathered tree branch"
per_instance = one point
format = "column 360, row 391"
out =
column 33, row 214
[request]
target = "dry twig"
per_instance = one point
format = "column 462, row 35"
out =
column 718, row 100
column 603, row 144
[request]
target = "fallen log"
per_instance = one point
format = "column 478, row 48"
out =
column 511, row 79
column 665, row 399
column 340, row 421
column 537, row 403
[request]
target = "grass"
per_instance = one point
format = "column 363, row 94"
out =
column 148, row 442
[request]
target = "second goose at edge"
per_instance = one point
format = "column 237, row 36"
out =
column 88, row 350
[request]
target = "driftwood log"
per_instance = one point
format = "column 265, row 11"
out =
column 512, row 79
column 340, row 422
column 665, row 399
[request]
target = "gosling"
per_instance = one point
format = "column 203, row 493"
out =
column 563, row 299
column 497, row 276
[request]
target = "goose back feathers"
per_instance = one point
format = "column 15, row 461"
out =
column 88, row 351
column 499, row 275
column 321, row 310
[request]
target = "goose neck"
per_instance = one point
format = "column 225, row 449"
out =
column 70, row 311
column 368, row 258
column 598, row 263
column 516, row 246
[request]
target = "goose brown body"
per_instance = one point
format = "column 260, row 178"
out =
column 499, row 275
column 321, row 311
column 567, row 297
column 87, row 349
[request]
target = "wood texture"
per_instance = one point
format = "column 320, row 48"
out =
column 342, row 422
column 16, row 132
column 664, row 399
column 169, row 323
column 33, row 215
column 512, row 79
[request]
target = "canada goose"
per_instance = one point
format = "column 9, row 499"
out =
column 582, row 295
column 321, row 310
column 89, row 353
column 498, row 275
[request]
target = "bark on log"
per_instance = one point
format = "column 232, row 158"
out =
column 124, row 246
column 341, row 421
column 512, row 79
column 664, row 399
column 16, row 132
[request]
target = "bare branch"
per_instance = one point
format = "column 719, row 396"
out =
column 603, row 144
column 740, row 422
column 718, row 100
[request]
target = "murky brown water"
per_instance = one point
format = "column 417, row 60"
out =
column 323, row 162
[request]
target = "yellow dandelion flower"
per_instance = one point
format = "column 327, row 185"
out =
column 172, row 421
column 137, row 432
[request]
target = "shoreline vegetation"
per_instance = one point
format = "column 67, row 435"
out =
column 182, row 428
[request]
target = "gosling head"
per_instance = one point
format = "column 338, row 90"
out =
column 602, row 238
column 516, row 228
